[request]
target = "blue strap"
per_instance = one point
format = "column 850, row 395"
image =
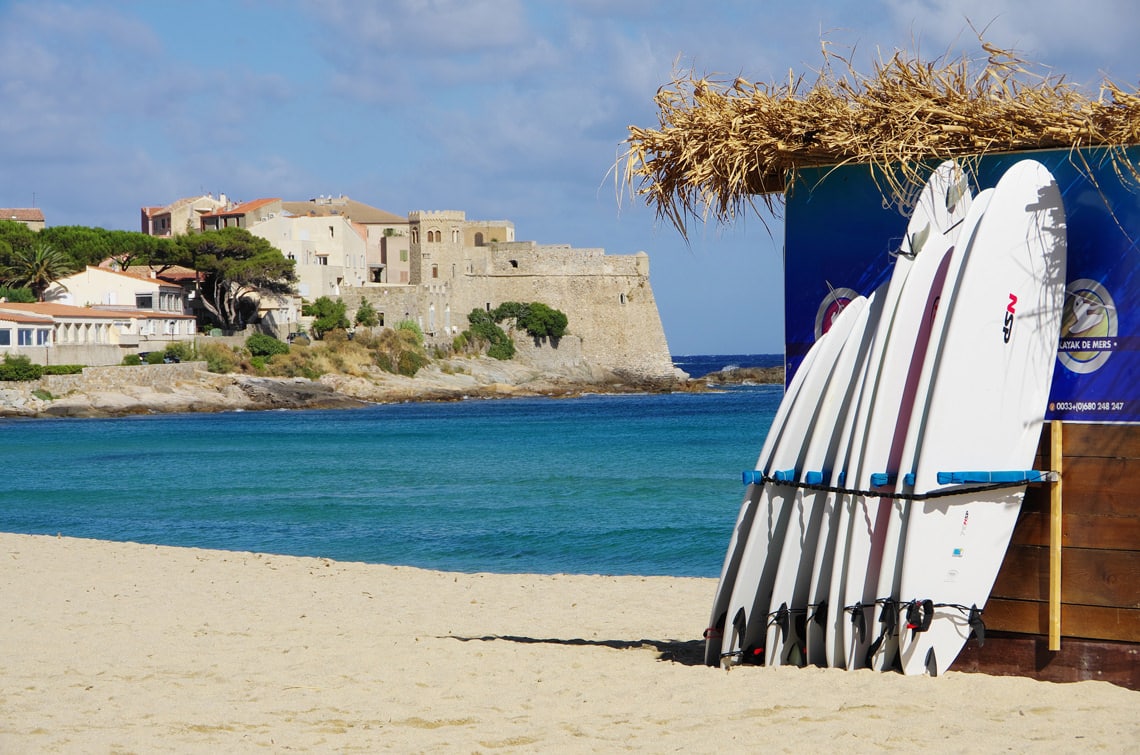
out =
column 879, row 479
column 814, row 478
column 756, row 477
column 1015, row 475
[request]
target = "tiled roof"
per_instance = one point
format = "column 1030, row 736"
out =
column 349, row 208
column 22, row 214
column 132, row 276
column 46, row 310
column 242, row 209
column 51, row 309
column 171, row 273
column 12, row 316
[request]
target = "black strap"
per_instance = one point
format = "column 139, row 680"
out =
column 919, row 614
column 977, row 626
column 858, row 621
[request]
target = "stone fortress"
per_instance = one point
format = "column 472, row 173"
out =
column 434, row 267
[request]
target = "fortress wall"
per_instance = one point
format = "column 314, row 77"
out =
column 395, row 302
column 615, row 316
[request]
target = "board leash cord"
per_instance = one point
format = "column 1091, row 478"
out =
column 786, row 478
column 919, row 617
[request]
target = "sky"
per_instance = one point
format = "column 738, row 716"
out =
column 500, row 108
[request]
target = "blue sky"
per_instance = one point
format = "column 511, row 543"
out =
column 501, row 108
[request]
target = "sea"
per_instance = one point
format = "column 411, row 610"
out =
column 646, row 484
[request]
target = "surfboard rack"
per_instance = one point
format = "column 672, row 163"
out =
column 985, row 481
column 1011, row 476
column 1016, row 476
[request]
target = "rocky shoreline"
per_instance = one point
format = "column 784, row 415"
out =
column 193, row 389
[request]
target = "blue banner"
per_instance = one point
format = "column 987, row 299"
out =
column 841, row 235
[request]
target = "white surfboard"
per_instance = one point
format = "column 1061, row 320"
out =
column 816, row 613
column 826, row 448
column 942, row 209
column 941, row 204
column 752, row 586
column 984, row 412
column 714, row 633
column 886, row 625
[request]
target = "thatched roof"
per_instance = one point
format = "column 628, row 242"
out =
column 721, row 146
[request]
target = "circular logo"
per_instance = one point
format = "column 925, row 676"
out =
column 830, row 307
column 1088, row 327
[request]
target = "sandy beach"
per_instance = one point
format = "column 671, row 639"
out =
column 120, row 647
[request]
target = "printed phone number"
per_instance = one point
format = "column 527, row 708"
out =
column 1088, row 406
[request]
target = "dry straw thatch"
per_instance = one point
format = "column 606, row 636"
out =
column 720, row 146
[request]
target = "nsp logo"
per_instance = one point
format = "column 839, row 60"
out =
column 1007, row 331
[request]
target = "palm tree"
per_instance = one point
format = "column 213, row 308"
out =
column 36, row 268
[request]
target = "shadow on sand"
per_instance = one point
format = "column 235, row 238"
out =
column 685, row 652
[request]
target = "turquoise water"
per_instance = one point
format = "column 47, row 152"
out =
column 646, row 484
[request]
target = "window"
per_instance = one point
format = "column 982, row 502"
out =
column 479, row 239
column 43, row 337
column 144, row 301
column 435, row 271
column 322, row 259
column 403, row 255
column 332, row 232
column 25, row 336
column 6, row 337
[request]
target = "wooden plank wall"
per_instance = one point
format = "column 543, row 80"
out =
column 1100, row 569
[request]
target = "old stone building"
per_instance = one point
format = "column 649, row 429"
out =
column 435, row 267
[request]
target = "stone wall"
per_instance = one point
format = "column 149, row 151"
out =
column 121, row 378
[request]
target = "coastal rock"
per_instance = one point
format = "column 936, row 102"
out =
column 120, row 391
column 745, row 376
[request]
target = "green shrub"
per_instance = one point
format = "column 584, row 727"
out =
column 410, row 362
column 132, row 360
column 263, row 345
column 17, row 295
column 219, row 358
column 155, row 357
column 503, row 351
column 63, row 369
column 411, row 326
column 182, row 351
column 400, row 350
column 484, row 330
column 43, row 395
column 329, row 315
column 542, row 321
column 19, row 368
column 259, row 362
column 536, row 318
column 366, row 315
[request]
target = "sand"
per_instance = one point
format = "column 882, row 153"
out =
column 120, row 647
